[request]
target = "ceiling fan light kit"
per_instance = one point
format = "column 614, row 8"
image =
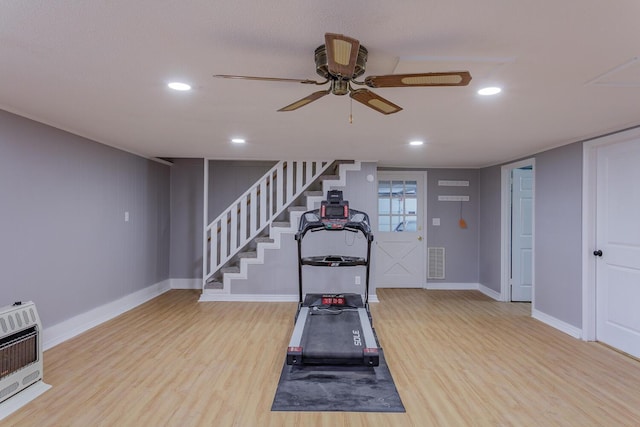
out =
column 342, row 59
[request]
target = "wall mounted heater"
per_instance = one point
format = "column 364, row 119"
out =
column 20, row 354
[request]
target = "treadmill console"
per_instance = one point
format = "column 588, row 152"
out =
column 334, row 215
column 334, row 212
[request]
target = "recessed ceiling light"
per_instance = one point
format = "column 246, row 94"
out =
column 179, row 86
column 416, row 142
column 492, row 90
column 238, row 141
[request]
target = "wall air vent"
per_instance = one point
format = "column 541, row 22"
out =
column 436, row 263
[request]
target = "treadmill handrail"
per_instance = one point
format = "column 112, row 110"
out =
column 311, row 221
column 362, row 225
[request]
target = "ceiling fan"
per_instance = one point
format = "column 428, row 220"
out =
column 342, row 59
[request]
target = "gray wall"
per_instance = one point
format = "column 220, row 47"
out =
column 186, row 218
column 558, row 232
column 63, row 240
column 489, row 193
column 461, row 245
column 228, row 180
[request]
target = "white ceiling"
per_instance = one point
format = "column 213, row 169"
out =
column 568, row 69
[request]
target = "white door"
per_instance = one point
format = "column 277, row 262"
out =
column 522, row 235
column 400, row 238
column 618, row 237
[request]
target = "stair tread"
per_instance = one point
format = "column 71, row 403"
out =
column 297, row 208
column 315, row 193
column 248, row 254
column 281, row 224
column 329, row 177
column 230, row 270
column 264, row 240
column 214, row 285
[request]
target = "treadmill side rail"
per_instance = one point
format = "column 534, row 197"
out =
column 370, row 353
column 294, row 351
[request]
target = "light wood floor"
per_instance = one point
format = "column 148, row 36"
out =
column 458, row 359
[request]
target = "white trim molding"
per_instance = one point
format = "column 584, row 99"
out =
column 224, row 297
column 448, row 286
column 489, row 292
column 220, row 297
column 505, row 229
column 557, row 324
column 67, row 329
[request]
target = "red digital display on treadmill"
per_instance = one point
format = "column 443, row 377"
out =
column 331, row 300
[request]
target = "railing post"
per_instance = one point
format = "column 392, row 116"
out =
column 290, row 183
column 279, row 187
column 253, row 209
column 233, row 233
column 263, row 203
column 299, row 170
column 244, row 233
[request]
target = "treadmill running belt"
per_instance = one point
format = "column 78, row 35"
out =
column 333, row 336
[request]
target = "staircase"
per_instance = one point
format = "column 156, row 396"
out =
column 240, row 236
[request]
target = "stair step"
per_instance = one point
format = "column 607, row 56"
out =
column 283, row 224
column 232, row 269
column 214, row 285
column 297, row 209
column 248, row 254
column 317, row 193
column 329, row 177
column 263, row 240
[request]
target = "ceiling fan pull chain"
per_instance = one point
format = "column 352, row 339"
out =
column 351, row 111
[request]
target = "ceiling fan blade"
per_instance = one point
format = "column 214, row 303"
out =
column 342, row 54
column 452, row 78
column 371, row 100
column 269, row 79
column 306, row 100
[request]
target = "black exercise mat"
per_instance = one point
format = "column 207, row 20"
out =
column 337, row 388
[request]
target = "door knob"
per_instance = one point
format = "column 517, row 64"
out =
column 420, row 238
column 597, row 253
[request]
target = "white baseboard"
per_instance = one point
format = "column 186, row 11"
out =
column 556, row 323
column 213, row 296
column 489, row 292
column 20, row 399
column 185, row 283
column 69, row 328
column 441, row 286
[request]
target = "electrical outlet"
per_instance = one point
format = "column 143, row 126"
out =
column 357, row 280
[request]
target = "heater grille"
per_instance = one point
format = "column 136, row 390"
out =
column 436, row 263
column 20, row 349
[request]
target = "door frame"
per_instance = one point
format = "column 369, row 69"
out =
column 422, row 174
column 589, row 207
column 505, row 231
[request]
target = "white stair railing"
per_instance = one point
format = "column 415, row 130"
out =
column 245, row 218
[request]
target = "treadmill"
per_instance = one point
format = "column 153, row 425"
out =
column 333, row 329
